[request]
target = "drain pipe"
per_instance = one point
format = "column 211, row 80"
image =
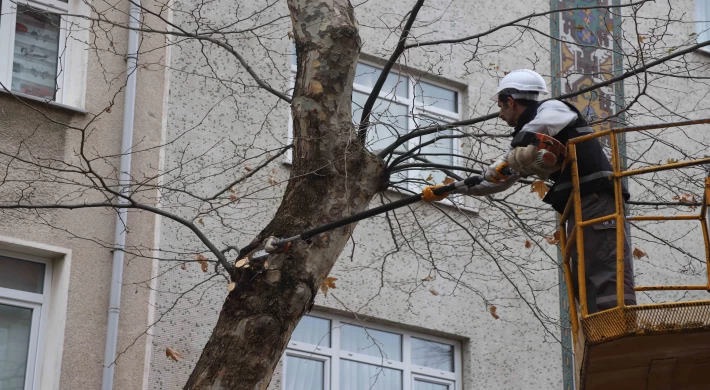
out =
column 114, row 306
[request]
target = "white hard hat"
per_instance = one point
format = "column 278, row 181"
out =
column 524, row 80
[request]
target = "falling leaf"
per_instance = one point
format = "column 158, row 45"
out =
column 183, row 266
column 290, row 35
column 638, row 253
column 671, row 161
column 540, row 187
column 201, row 222
column 232, row 197
column 449, row 180
column 528, row 244
column 428, row 279
column 687, row 198
column 273, row 181
column 202, row 259
column 241, row 263
column 231, row 286
column 641, row 38
column 492, row 310
column 328, row 283
column 247, row 168
column 555, row 239
column 429, row 178
column 173, row 354
column 433, row 292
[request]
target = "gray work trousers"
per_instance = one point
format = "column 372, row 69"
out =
column 600, row 255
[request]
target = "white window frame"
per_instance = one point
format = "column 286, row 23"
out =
column 410, row 371
column 72, row 64
column 39, row 303
column 702, row 22
column 409, row 101
column 311, row 356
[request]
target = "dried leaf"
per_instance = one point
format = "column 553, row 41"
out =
column 108, row 109
column 449, row 180
column 687, row 198
column 693, row 34
column 273, row 181
column 290, row 35
column 579, row 27
column 231, row 286
column 671, row 161
column 639, row 253
column 492, row 310
column 528, row 244
column 247, row 168
column 232, row 197
column 241, row 263
column 202, row 259
column 555, row 239
column 201, row 222
column 183, row 266
column 173, row 354
column 428, row 279
column 429, row 178
column 274, row 171
column 641, row 38
column 328, row 283
column 540, row 187
column 434, row 292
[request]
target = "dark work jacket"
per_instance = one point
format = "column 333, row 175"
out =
column 593, row 164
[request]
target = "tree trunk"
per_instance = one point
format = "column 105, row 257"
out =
column 333, row 176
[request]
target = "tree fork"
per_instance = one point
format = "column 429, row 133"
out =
column 333, row 176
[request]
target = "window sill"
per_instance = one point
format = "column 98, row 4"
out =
column 53, row 104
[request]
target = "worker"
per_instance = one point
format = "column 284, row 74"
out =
column 518, row 99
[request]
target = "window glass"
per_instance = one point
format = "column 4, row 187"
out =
column 34, row 66
column 312, row 330
column 362, row 376
column 438, row 152
column 371, row 342
column 15, row 326
column 390, row 121
column 304, row 374
column 429, row 95
column 432, row 354
column 22, row 275
column 395, row 84
column 424, row 385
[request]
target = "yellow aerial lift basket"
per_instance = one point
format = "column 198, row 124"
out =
column 663, row 346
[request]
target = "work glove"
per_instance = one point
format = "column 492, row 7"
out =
column 494, row 172
column 521, row 159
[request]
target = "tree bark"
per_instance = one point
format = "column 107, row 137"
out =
column 333, row 176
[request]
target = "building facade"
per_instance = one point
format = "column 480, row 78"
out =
column 62, row 96
column 476, row 302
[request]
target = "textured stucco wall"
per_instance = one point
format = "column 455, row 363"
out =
column 514, row 352
column 89, row 233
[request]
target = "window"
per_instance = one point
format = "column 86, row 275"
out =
column 702, row 21
column 40, row 52
column 406, row 103
column 335, row 353
column 24, row 285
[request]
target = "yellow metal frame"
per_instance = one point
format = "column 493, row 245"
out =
column 622, row 314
